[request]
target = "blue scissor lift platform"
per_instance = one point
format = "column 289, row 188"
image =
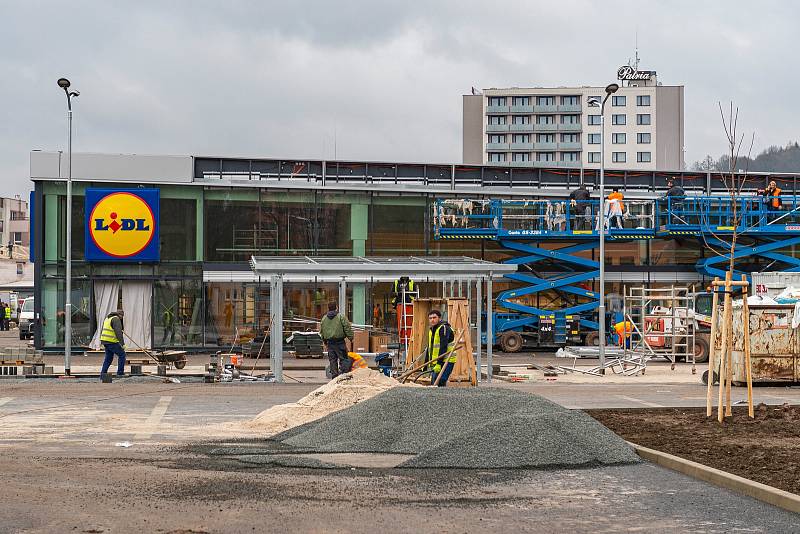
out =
column 553, row 243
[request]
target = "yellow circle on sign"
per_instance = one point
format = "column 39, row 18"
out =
column 121, row 224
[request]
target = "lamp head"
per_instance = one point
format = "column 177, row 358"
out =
column 612, row 88
column 63, row 83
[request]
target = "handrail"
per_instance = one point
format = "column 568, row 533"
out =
column 718, row 213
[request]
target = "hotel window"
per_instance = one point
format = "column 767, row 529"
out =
column 618, row 157
column 618, row 138
column 643, row 138
column 594, row 157
column 570, row 119
column 497, row 138
column 546, row 119
column 521, row 156
column 594, row 120
column 497, row 101
column 570, row 156
column 593, row 139
column 497, row 157
column 643, row 157
column 618, row 120
column 521, row 101
column 545, row 156
column 545, row 101
column 521, row 119
column 643, row 119
column 617, row 100
column 643, row 100
column 521, row 138
column 497, row 119
column 545, row 138
column 570, row 138
column 569, row 100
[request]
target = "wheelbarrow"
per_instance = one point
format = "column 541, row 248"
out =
column 170, row 358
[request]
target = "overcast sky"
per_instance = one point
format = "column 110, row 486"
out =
column 282, row 79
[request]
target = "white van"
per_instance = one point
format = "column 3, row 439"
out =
column 26, row 319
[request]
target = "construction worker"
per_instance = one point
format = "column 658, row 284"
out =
column 111, row 336
column 772, row 199
column 334, row 328
column 7, row 317
column 168, row 320
column 403, row 285
column 441, row 356
column 579, row 201
column 356, row 361
column 615, row 208
column 377, row 316
column 624, row 329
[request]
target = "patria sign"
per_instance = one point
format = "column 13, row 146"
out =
column 122, row 225
column 628, row 73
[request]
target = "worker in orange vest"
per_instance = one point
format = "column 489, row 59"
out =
column 615, row 207
column 772, row 199
column 624, row 329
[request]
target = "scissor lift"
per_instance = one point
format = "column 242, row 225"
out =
column 552, row 242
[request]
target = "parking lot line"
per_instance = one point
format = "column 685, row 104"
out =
column 640, row 401
column 153, row 420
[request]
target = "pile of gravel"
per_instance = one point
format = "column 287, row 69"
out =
column 464, row 428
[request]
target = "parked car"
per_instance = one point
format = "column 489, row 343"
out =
column 26, row 319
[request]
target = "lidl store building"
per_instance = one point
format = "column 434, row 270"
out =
column 171, row 237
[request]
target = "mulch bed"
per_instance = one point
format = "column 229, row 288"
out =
column 765, row 449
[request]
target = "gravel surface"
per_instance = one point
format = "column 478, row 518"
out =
column 465, row 428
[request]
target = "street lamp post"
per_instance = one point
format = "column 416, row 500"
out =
column 64, row 84
column 601, row 311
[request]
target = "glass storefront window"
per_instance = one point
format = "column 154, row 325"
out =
column 178, row 229
column 397, row 226
column 233, row 228
column 53, row 317
column 178, row 316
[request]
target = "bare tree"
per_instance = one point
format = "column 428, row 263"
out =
column 733, row 178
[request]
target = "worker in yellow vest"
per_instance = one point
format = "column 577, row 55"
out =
column 7, row 317
column 111, row 336
column 356, row 361
column 403, row 287
column 440, row 352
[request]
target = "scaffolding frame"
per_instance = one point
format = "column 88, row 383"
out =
column 663, row 323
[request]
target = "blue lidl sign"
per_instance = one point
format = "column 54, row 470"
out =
column 122, row 225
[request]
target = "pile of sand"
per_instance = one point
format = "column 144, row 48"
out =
column 342, row 392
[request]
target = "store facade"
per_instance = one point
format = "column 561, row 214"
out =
column 215, row 213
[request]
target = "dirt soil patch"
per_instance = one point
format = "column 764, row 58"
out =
column 765, row 449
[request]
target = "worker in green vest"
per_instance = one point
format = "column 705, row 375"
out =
column 111, row 336
column 7, row 317
column 441, row 356
column 168, row 319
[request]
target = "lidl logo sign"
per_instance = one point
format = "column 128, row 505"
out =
column 122, row 224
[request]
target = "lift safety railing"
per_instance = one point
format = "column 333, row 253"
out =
column 522, row 218
column 749, row 213
column 501, row 217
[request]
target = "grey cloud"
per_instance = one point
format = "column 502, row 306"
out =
column 279, row 78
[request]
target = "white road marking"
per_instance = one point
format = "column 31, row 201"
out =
column 153, row 420
column 640, row 401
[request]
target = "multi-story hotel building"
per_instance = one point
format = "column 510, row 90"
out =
column 556, row 126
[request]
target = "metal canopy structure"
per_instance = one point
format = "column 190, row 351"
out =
column 360, row 269
column 377, row 269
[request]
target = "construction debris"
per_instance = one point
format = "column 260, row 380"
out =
column 342, row 392
column 463, row 428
